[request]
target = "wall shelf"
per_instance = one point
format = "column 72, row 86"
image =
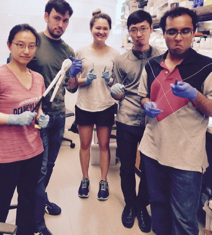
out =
column 204, row 13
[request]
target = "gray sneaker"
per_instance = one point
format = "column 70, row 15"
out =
column 103, row 193
column 83, row 191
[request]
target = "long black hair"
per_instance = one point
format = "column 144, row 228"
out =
column 23, row 27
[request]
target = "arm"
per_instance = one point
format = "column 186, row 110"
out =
column 143, row 101
column 185, row 90
column 117, row 90
column 87, row 80
column 117, row 97
column 23, row 119
column 149, row 106
column 203, row 103
column 41, row 118
column 75, row 69
column 72, row 84
column 3, row 118
column 81, row 81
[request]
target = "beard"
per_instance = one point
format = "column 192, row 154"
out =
column 56, row 36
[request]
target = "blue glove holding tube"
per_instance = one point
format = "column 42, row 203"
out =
column 43, row 120
column 151, row 109
column 90, row 77
column 75, row 68
column 106, row 75
column 184, row 90
column 23, row 119
column 116, row 88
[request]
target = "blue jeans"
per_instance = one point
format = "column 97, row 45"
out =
column 174, row 198
column 52, row 137
column 128, row 138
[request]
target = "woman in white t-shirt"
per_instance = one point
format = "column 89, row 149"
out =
column 21, row 147
column 94, row 103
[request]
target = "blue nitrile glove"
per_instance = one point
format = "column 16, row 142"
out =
column 116, row 88
column 71, row 58
column 75, row 68
column 43, row 120
column 106, row 75
column 151, row 109
column 23, row 119
column 184, row 90
column 90, row 77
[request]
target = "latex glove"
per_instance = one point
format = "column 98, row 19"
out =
column 151, row 109
column 184, row 90
column 75, row 68
column 106, row 75
column 23, row 119
column 90, row 77
column 43, row 120
column 116, row 88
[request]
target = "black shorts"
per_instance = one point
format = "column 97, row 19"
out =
column 101, row 118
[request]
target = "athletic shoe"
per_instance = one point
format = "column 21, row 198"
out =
column 52, row 209
column 43, row 231
column 83, row 191
column 103, row 193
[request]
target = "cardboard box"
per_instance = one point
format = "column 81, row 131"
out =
column 95, row 154
column 208, row 2
column 208, row 219
column 133, row 6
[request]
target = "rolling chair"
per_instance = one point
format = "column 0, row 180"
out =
column 69, row 113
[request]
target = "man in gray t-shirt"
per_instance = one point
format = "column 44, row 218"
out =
column 131, row 117
column 48, row 62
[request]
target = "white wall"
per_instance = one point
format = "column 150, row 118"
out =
column 14, row 12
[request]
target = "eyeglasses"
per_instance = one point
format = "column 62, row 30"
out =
column 185, row 32
column 22, row 46
column 141, row 30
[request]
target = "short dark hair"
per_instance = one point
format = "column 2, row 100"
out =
column 138, row 17
column 179, row 11
column 98, row 14
column 60, row 6
column 23, row 27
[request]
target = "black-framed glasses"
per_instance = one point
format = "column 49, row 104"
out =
column 141, row 30
column 22, row 46
column 185, row 32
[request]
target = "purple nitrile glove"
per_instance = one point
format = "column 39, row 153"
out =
column 151, row 109
column 184, row 90
column 75, row 68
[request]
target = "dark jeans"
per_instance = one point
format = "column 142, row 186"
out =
column 128, row 138
column 52, row 137
column 174, row 198
column 23, row 174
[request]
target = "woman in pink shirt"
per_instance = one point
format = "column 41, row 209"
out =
column 21, row 147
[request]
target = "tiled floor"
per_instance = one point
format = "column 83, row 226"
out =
column 84, row 216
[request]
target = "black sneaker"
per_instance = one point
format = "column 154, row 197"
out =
column 43, row 231
column 103, row 193
column 128, row 216
column 83, row 191
column 144, row 220
column 52, row 209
